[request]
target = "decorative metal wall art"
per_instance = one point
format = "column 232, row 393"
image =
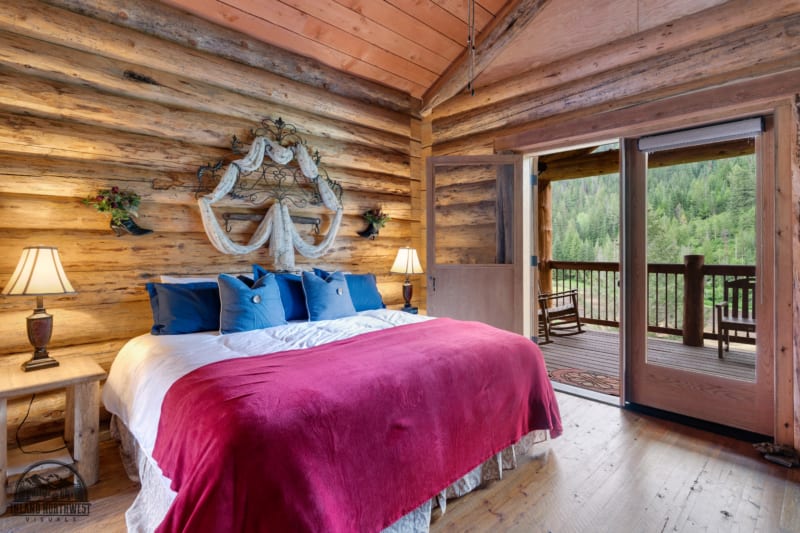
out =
column 277, row 170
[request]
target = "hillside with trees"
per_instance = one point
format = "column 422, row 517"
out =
column 703, row 208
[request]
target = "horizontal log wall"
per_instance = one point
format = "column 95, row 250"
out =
column 464, row 211
column 103, row 93
column 714, row 49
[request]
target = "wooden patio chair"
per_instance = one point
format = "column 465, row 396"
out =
column 735, row 312
column 558, row 314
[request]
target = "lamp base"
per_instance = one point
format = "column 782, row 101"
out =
column 407, row 292
column 38, row 364
column 40, row 327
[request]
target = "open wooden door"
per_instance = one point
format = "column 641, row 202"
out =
column 735, row 387
column 478, row 240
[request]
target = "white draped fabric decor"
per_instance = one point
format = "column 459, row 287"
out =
column 276, row 226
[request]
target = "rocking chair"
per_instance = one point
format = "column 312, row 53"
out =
column 558, row 314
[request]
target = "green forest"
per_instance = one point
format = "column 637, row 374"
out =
column 705, row 208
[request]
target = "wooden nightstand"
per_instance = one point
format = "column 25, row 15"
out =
column 81, row 378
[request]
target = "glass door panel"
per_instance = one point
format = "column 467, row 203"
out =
column 701, row 259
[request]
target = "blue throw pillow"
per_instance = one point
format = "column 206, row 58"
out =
column 363, row 290
column 291, row 289
column 184, row 307
column 327, row 299
column 244, row 308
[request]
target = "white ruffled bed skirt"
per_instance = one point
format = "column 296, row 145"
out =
column 155, row 496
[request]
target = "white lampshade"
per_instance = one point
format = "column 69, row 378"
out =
column 39, row 273
column 406, row 262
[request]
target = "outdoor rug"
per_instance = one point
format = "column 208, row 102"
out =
column 586, row 380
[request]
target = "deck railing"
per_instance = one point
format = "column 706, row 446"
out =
column 598, row 292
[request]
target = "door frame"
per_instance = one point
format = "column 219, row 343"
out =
column 767, row 95
column 747, row 405
column 514, row 273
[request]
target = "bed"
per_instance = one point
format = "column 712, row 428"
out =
column 361, row 423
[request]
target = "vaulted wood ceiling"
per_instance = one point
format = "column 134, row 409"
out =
column 414, row 45
column 405, row 44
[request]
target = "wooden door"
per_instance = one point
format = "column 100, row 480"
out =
column 735, row 391
column 477, row 244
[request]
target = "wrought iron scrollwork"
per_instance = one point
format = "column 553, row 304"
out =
column 272, row 181
column 228, row 217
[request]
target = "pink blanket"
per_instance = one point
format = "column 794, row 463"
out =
column 347, row 436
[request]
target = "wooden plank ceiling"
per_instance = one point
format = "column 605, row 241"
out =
column 405, row 44
column 418, row 46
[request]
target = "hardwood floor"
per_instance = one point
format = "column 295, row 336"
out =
column 611, row 471
column 617, row 471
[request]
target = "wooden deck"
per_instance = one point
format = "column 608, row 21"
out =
column 598, row 351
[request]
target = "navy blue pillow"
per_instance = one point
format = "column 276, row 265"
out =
column 184, row 307
column 244, row 308
column 291, row 289
column 327, row 298
column 363, row 290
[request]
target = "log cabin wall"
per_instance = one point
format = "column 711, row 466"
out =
column 138, row 95
column 466, row 221
column 734, row 42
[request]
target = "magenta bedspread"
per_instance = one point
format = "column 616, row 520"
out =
column 347, row 436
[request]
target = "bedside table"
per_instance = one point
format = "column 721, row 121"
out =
column 81, row 378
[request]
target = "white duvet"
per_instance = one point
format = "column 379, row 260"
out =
column 148, row 365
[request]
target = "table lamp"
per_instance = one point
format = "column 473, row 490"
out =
column 407, row 262
column 39, row 273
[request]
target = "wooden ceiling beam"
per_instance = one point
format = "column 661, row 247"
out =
column 668, row 38
column 491, row 41
column 607, row 162
column 755, row 51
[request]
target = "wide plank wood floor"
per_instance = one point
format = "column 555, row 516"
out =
column 612, row 471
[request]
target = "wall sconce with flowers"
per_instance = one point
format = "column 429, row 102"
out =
column 122, row 206
column 376, row 219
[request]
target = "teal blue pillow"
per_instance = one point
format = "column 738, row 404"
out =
column 292, row 296
column 244, row 308
column 184, row 307
column 327, row 299
column 363, row 290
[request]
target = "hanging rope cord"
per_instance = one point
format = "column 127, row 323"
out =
column 277, row 223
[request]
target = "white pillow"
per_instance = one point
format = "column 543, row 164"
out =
column 186, row 279
column 195, row 279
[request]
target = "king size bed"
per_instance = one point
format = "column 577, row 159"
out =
column 360, row 423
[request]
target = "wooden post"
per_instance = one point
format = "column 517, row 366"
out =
column 85, row 414
column 693, row 300
column 545, row 238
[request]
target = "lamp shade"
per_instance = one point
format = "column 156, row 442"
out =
column 39, row 273
column 406, row 262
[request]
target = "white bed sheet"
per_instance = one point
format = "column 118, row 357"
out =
column 148, row 365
